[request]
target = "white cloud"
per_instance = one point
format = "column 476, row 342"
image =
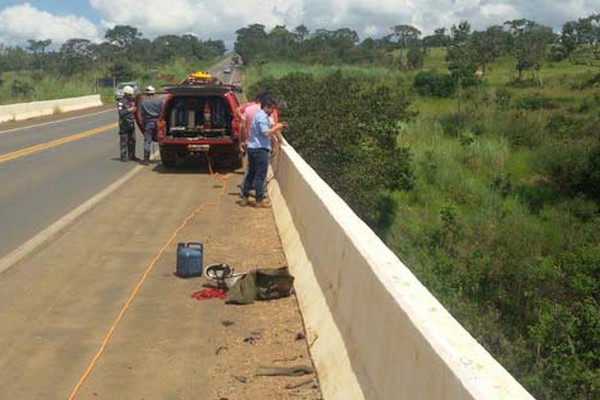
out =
column 210, row 19
column 23, row 22
column 205, row 18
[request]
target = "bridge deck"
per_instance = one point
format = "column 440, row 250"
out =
column 58, row 305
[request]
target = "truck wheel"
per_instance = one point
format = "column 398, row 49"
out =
column 168, row 158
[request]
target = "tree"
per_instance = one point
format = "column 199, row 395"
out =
column 301, row 32
column 122, row 71
column 438, row 39
column 38, row 48
column 76, row 56
column 15, row 59
column 530, row 45
column 415, row 57
column 251, row 43
column 488, row 45
column 462, row 63
column 122, row 36
column 166, row 47
column 330, row 46
column 141, row 50
column 405, row 35
column 581, row 40
column 281, row 41
column 106, row 52
column 460, row 56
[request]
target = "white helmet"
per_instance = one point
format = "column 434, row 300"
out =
column 150, row 89
column 128, row 90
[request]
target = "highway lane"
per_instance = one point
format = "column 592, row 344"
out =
column 46, row 170
column 39, row 187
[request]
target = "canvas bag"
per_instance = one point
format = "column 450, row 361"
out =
column 261, row 284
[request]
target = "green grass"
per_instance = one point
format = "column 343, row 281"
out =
column 47, row 86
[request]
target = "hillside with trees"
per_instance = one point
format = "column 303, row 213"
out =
column 41, row 72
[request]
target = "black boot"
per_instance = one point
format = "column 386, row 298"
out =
column 146, row 158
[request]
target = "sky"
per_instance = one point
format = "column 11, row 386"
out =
column 210, row 19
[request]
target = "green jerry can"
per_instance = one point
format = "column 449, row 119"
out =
column 189, row 259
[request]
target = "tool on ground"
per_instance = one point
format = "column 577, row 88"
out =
column 222, row 274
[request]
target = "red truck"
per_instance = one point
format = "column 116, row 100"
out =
column 198, row 117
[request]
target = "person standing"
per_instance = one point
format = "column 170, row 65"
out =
column 246, row 114
column 126, row 109
column 150, row 109
column 259, row 150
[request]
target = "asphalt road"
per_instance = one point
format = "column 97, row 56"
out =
column 40, row 185
column 76, row 157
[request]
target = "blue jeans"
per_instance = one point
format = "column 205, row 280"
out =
column 258, row 164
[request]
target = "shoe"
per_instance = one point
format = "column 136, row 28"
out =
column 263, row 204
column 134, row 158
column 243, row 201
column 145, row 162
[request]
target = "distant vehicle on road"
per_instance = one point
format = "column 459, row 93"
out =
column 121, row 85
column 227, row 70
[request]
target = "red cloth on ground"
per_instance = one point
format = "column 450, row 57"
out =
column 205, row 294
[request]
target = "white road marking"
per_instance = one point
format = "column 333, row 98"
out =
column 39, row 239
column 54, row 122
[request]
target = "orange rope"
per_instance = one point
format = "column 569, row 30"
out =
column 111, row 331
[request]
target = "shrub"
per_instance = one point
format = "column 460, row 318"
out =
column 434, row 84
column 560, row 125
column 455, row 124
column 503, row 97
column 21, row 89
column 536, row 102
column 573, row 167
column 519, row 128
column 588, row 82
column 355, row 150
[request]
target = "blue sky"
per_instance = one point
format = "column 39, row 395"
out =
column 210, row 19
column 77, row 7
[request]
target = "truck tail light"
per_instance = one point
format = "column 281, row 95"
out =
column 161, row 128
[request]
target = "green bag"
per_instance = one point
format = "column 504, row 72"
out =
column 261, row 284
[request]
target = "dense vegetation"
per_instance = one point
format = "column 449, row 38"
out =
column 474, row 155
column 346, row 128
column 500, row 214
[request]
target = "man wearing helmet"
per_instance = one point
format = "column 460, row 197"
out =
column 150, row 109
column 126, row 110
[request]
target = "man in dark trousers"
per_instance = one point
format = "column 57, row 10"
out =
column 126, row 110
column 150, row 109
column 259, row 151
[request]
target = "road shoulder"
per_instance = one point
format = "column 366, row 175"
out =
column 59, row 304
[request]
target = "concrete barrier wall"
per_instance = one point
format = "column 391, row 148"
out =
column 374, row 331
column 16, row 112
